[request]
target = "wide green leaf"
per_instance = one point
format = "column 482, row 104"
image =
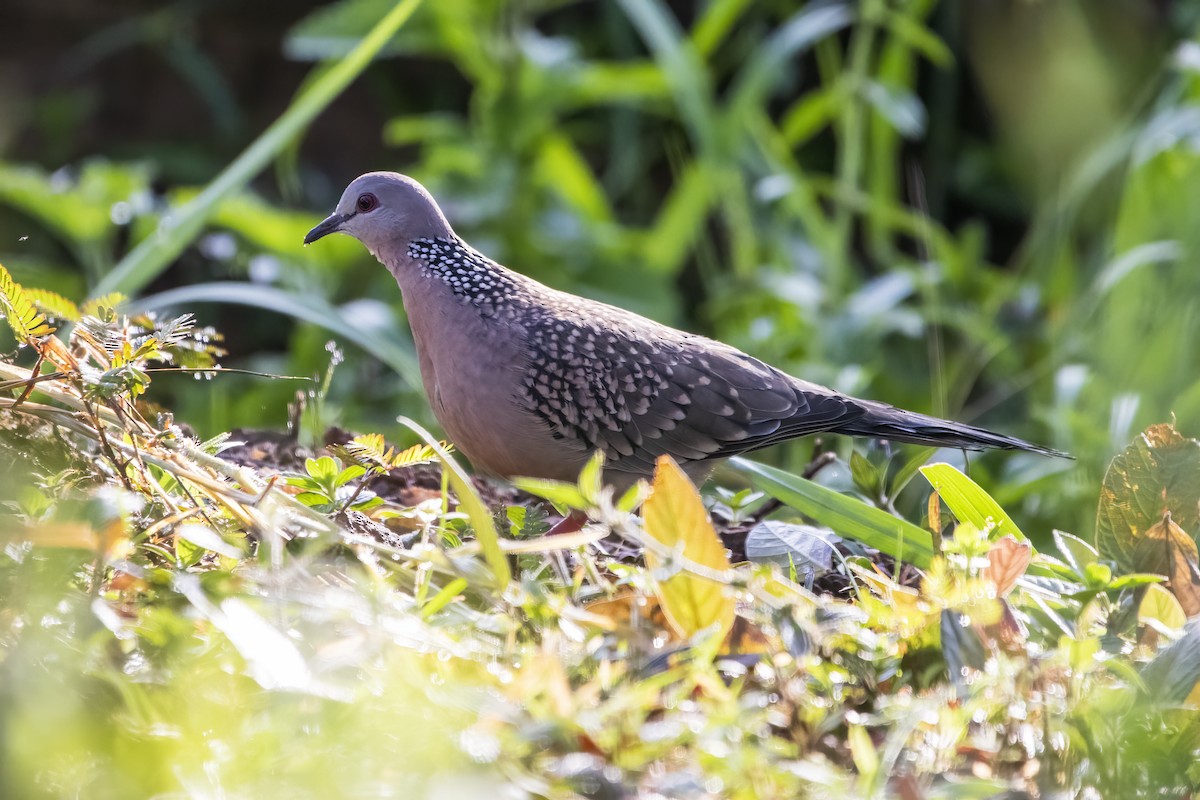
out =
column 847, row 516
column 969, row 502
column 1158, row 473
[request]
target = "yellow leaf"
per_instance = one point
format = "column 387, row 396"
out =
column 863, row 752
column 23, row 317
column 69, row 535
column 675, row 516
column 111, row 539
column 1160, row 606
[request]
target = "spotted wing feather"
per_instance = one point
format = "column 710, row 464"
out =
column 638, row 394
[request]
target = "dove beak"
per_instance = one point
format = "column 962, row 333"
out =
column 331, row 224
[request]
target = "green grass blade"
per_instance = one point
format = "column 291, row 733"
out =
column 767, row 64
column 180, row 226
column 969, row 502
column 472, row 505
column 681, row 65
column 846, row 515
column 384, row 345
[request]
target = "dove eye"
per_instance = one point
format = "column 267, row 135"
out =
column 367, row 202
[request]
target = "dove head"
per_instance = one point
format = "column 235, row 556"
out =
column 385, row 211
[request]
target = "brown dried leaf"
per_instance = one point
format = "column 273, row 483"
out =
column 1007, row 561
column 53, row 350
column 633, row 611
column 1166, row 549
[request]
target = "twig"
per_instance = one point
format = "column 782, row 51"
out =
column 33, row 377
column 108, row 450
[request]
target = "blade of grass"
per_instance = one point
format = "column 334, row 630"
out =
column 180, row 226
column 684, row 69
column 470, row 502
column 762, row 70
column 845, row 515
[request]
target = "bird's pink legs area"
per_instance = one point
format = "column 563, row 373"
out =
column 569, row 524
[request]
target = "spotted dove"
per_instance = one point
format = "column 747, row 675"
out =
column 528, row 380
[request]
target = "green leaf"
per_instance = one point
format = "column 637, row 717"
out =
column 1076, row 551
column 314, row 499
column 79, row 214
column 53, row 304
column 421, row 128
column 633, row 497
column 767, row 62
column 563, row 170
column 591, row 477
column 268, row 227
column 847, row 516
column 1132, row 581
column 908, row 470
column 350, row 473
column 900, row 107
column 680, row 219
column 1158, row 473
column 527, row 522
column 207, row 538
column 302, row 482
column 679, row 62
column 322, row 470
column 562, row 494
column 808, row 115
column 863, row 752
column 104, row 306
column 181, row 225
column 918, row 37
column 1173, row 674
column 718, row 19
column 635, row 83
column 969, row 502
column 443, row 598
column 865, row 475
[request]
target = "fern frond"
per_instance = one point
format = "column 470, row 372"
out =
column 417, row 454
column 26, row 321
column 54, row 304
column 371, row 451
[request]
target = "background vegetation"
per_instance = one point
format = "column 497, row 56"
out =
column 980, row 210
